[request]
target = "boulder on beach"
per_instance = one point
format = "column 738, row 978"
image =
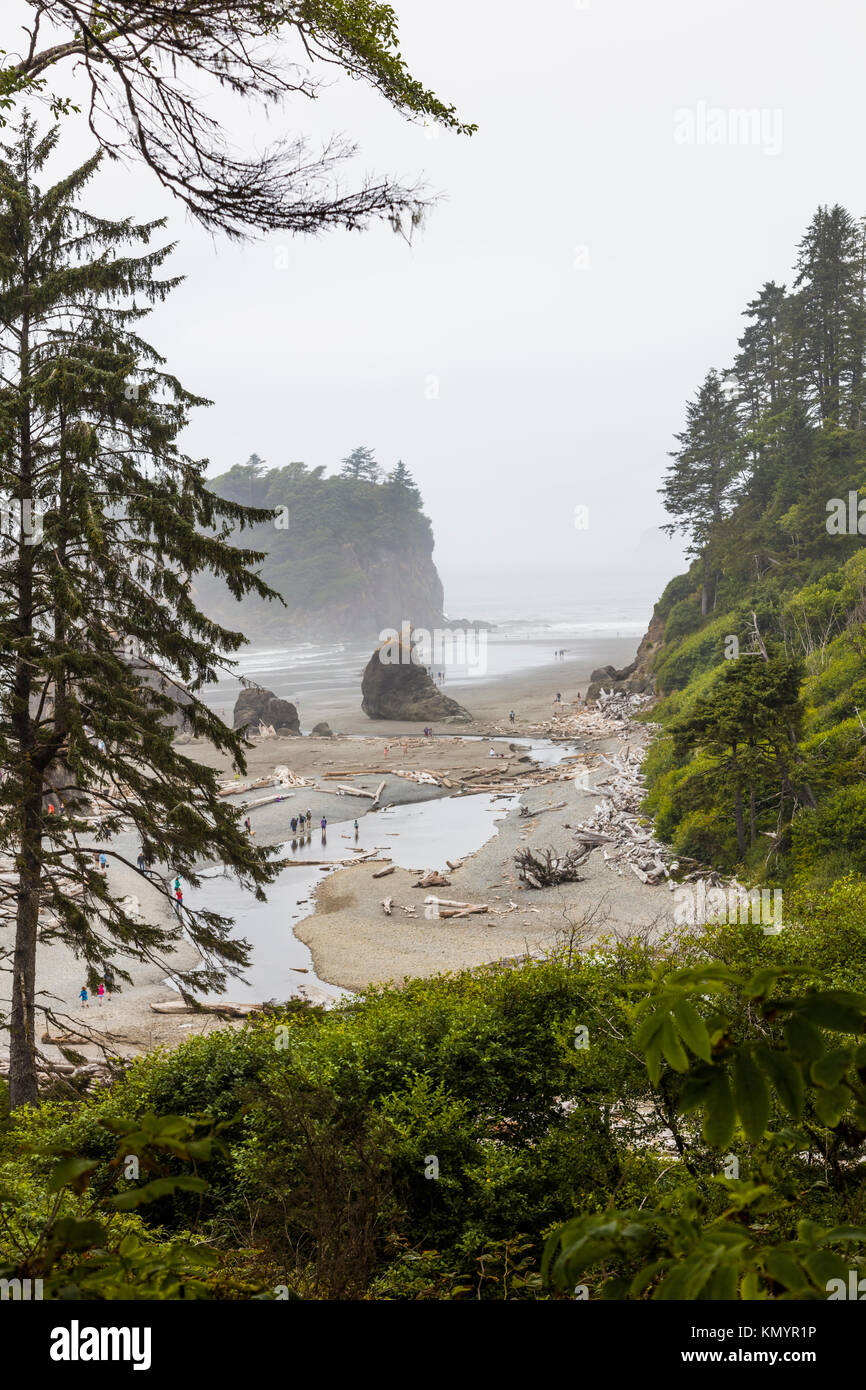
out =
column 258, row 706
column 396, row 686
column 635, row 679
column 322, row 730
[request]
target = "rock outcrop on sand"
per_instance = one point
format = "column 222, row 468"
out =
column 396, row 686
column 322, row 730
column 258, row 706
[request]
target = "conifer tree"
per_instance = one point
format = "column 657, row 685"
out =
column 830, row 282
column 102, row 648
column 403, row 489
column 361, row 466
column 698, row 484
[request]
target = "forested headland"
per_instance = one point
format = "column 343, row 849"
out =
column 350, row 553
column 762, row 667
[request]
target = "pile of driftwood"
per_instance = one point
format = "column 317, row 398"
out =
column 48, row 1071
column 544, row 869
column 615, row 824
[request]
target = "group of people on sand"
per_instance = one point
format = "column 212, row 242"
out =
column 560, row 654
column 301, row 823
column 302, row 828
column 103, row 990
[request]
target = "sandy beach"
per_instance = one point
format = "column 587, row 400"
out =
column 353, row 942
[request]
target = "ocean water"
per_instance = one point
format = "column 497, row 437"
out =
column 324, row 679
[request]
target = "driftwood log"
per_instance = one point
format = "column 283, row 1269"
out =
column 544, row 869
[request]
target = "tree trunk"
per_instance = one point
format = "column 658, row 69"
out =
column 753, row 833
column 23, row 1085
column 741, row 829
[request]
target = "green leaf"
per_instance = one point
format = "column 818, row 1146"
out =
column 648, row 1029
column 673, row 1048
column 831, row 1104
column 750, row 1287
column 689, row 1277
column 645, row 1276
column 152, row 1191
column 72, row 1172
column 839, row 1010
column 785, row 1270
column 845, row 1233
column 694, row 1090
column 654, row 1058
column 824, row 1265
column 786, row 1079
column 693, row 1030
column 752, row 1096
column 70, row 1234
column 829, row 1069
column 721, row 1114
column 723, row 1283
column 803, row 1038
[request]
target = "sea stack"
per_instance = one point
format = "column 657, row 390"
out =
column 396, row 686
column 258, row 706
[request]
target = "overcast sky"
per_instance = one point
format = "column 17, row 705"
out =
column 532, row 351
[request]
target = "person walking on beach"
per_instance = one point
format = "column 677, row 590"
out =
column 324, row 825
column 248, row 827
column 178, row 894
column 294, row 824
column 82, row 994
column 100, row 991
column 309, row 819
column 356, row 830
column 511, row 716
column 109, row 983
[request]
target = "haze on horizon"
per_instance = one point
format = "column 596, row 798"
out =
column 532, row 351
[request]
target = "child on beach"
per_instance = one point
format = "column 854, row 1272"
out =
column 82, row 994
column 100, row 991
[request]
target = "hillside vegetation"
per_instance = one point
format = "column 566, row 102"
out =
column 763, row 756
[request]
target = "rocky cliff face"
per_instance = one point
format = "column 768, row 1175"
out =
column 636, row 679
column 352, row 559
